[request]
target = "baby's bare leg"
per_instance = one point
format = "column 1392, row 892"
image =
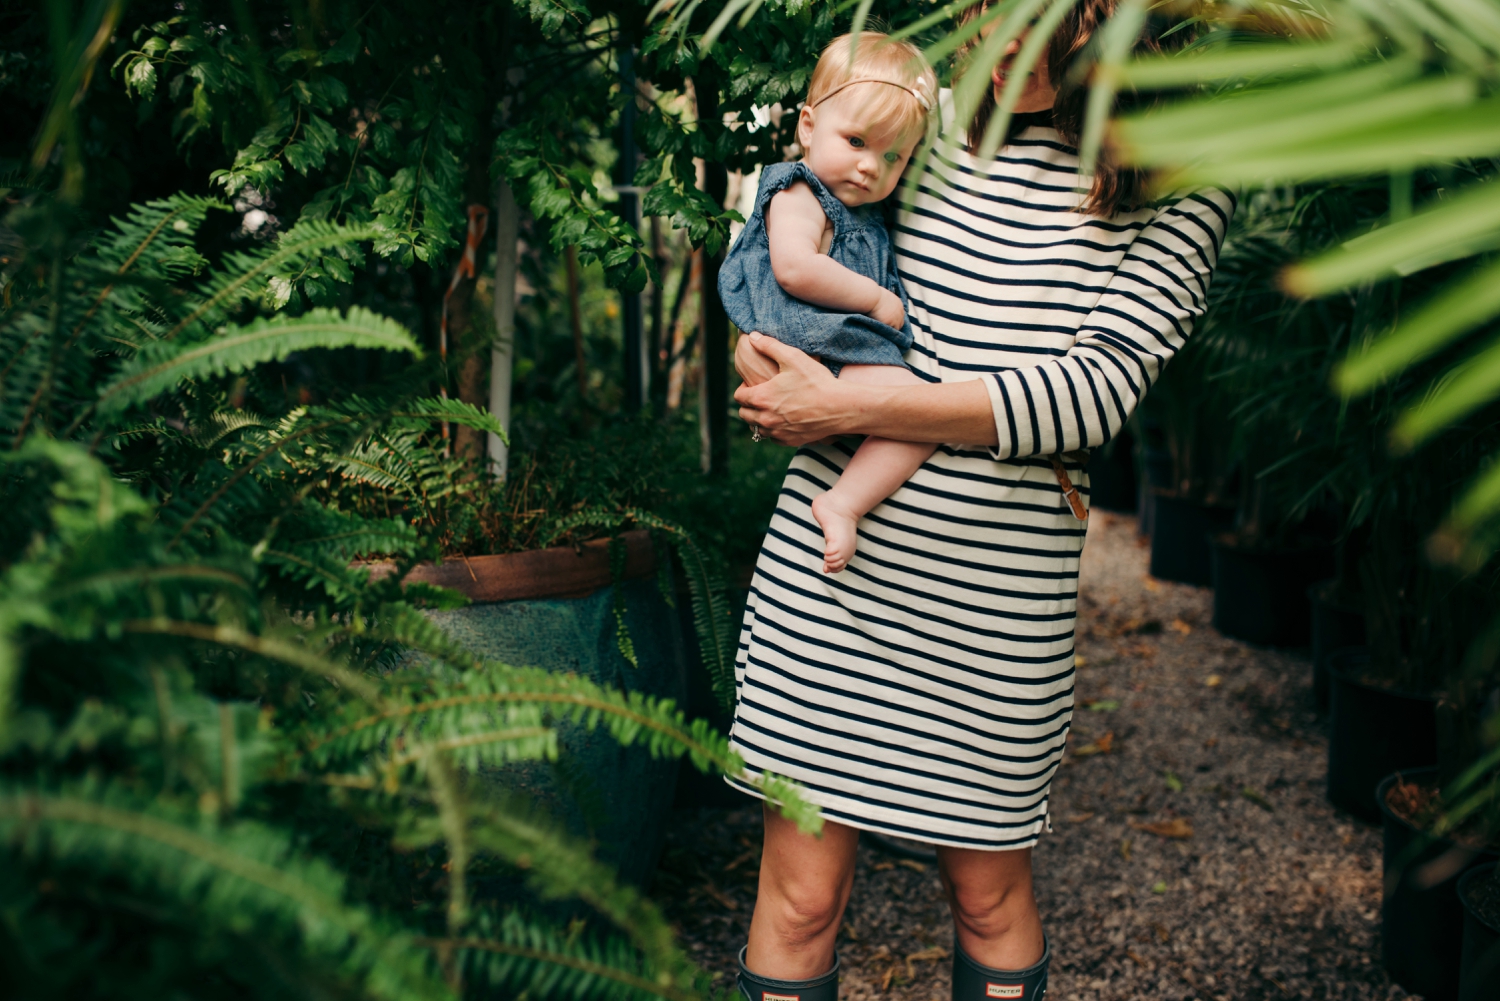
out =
column 877, row 470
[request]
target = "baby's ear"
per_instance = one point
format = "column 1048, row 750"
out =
column 805, row 121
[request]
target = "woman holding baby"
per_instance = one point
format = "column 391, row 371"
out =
column 907, row 649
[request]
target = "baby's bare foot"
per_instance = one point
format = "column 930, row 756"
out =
column 840, row 532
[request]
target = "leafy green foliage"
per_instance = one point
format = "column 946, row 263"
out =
column 1405, row 93
column 203, row 698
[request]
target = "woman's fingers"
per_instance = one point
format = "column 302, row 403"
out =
column 783, row 355
column 791, row 405
column 753, row 366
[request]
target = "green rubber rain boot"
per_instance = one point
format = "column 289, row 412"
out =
column 758, row 988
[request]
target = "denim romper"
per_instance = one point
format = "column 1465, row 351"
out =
column 755, row 301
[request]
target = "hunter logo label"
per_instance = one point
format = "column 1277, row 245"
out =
column 1000, row 990
column 768, row 996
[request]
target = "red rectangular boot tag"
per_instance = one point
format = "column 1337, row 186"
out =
column 999, row 990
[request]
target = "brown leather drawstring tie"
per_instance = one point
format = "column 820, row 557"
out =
column 1069, row 490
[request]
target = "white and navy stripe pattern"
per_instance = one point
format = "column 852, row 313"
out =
column 927, row 690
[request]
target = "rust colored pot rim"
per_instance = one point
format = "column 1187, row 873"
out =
column 560, row 572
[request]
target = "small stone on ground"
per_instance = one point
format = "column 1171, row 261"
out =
column 1192, row 856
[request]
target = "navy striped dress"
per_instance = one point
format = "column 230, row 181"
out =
column 927, row 691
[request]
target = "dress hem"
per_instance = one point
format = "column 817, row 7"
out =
column 859, row 824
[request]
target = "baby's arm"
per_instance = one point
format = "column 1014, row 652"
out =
column 794, row 227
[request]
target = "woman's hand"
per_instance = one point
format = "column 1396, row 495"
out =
column 753, row 366
column 800, row 402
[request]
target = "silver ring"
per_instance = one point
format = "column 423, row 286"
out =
column 755, row 434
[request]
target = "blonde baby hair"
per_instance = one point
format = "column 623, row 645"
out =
column 905, row 88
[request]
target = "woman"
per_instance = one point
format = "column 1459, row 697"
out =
column 927, row 691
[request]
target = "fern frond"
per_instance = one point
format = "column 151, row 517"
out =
column 335, row 577
column 718, row 639
column 410, row 628
column 239, row 278
column 560, row 868
column 517, row 957
column 108, row 583
column 160, row 367
column 424, row 412
column 164, row 227
column 712, row 620
column 341, row 535
column 240, row 872
column 218, row 426
column 279, row 648
column 451, row 706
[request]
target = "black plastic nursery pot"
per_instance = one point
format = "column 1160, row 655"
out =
column 1180, row 530
column 1112, row 477
column 1156, row 475
column 1260, row 595
column 1422, row 919
column 1479, row 968
column 1334, row 626
column 1372, row 732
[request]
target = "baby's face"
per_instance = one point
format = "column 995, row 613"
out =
column 860, row 160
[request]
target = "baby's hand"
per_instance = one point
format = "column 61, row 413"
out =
column 888, row 310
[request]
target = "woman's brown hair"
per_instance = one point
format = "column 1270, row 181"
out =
column 1115, row 188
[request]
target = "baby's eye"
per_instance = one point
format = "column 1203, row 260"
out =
column 856, row 142
column 892, row 156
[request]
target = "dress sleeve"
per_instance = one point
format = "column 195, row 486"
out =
column 1142, row 319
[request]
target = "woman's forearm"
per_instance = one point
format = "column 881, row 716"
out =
column 956, row 412
column 804, row 403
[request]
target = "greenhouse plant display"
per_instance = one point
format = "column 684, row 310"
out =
column 219, row 728
column 1406, row 93
column 359, row 570
column 1479, row 974
column 1373, row 731
column 1423, row 915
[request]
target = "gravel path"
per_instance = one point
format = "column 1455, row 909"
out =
column 1193, row 854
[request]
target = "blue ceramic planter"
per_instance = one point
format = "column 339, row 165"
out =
column 618, row 797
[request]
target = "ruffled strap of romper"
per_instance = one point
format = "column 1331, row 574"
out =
column 779, row 176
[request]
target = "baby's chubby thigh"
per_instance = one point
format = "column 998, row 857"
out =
column 879, row 375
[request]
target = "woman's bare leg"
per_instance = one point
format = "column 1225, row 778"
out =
column 877, row 470
column 994, row 911
column 804, row 887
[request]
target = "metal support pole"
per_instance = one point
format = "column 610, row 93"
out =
column 502, row 352
column 715, row 408
column 637, row 369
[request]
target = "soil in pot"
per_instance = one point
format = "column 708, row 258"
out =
column 554, row 609
column 1421, row 928
column 1180, row 530
column 1372, row 732
column 1260, row 593
column 1336, row 623
column 1479, row 970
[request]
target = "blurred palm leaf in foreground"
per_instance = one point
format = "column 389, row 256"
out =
column 1293, row 93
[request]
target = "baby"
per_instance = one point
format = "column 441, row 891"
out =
column 814, row 268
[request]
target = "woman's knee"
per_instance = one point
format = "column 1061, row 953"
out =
column 989, row 911
column 802, row 914
column 988, row 892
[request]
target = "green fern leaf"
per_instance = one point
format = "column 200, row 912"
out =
column 161, row 367
column 238, row 874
